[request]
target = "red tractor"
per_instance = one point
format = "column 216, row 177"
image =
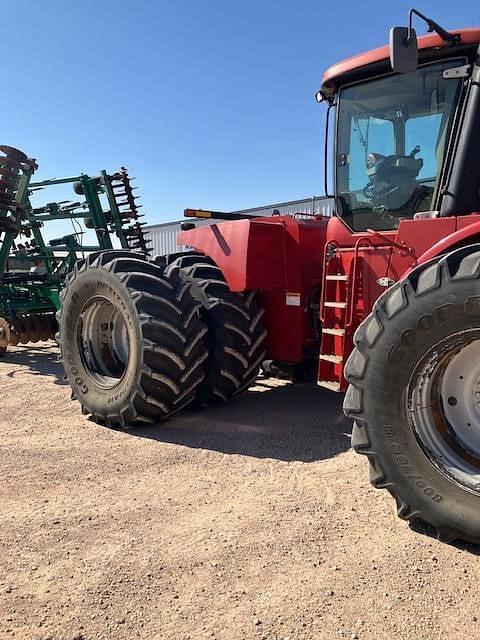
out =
column 383, row 297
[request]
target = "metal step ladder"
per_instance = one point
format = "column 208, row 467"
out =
column 337, row 314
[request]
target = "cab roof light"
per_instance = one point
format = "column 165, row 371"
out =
column 197, row 213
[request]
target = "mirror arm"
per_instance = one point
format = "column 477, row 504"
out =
column 449, row 38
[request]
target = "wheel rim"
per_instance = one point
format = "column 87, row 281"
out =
column 103, row 341
column 444, row 407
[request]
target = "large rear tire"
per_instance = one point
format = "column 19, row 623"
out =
column 236, row 333
column 132, row 339
column 415, row 394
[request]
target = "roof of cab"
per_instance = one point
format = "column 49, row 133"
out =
column 468, row 36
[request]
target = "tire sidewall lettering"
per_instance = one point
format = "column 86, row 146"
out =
column 78, row 376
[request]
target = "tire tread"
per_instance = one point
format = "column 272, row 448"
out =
column 172, row 337
column 236, row 334
column 462, row 264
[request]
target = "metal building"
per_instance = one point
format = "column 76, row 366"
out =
column 164, row 236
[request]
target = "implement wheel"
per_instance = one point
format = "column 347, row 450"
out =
column 35, row 328
column 236, row 333
column 131, row 338
column 5, row 336
column 22, row 327
column 45, row 327
column 415, row 394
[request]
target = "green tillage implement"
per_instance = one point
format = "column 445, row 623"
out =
column 32, row 271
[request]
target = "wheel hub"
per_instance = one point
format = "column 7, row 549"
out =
column 444, row 406
column 460, row 395
column 104, row 342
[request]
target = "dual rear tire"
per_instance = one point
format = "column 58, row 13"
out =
column 236, row 333
column 140, row 341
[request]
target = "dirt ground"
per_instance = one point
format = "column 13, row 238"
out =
column 249, row 521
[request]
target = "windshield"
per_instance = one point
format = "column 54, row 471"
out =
column 392, row 135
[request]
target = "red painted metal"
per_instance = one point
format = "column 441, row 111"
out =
column 467, row 229
column 232, row 244
column 391, row 254
column 331, row 75
column 281, row 257
column 373, row 258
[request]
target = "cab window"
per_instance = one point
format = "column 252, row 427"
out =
column 392, row 134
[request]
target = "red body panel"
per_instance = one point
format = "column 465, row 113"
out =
column 421, row 239
column 233, row 245
column 370, row 262
column 467, row 230
column 468, row 36
column 281, row 257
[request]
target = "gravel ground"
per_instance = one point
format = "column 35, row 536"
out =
column 249, row 521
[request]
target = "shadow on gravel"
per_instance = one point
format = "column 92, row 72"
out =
column 469, row 547
column 272, row 420
column 424, row 529
column 38, row 360
column 291, row 422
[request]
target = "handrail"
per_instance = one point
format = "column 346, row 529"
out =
column 324, row 288
column 353, row 287
column 402, row 246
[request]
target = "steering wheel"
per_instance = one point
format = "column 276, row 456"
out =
column 392, row 179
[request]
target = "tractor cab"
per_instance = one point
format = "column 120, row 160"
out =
column 396, row 152
column 392, row 135
column 405, row 171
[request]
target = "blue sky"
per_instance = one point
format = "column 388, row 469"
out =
column 209, row 103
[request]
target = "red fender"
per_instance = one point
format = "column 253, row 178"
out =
column 450, row 242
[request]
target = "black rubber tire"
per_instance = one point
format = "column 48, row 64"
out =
column 22, row 328
column 236, row 333
column 46, row 328
column 435, row 301
column 35, row 328
column 165, row 333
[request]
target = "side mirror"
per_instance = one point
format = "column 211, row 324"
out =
column 403, row 49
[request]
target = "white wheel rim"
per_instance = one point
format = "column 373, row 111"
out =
column 444, row 407
column 103, row 341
